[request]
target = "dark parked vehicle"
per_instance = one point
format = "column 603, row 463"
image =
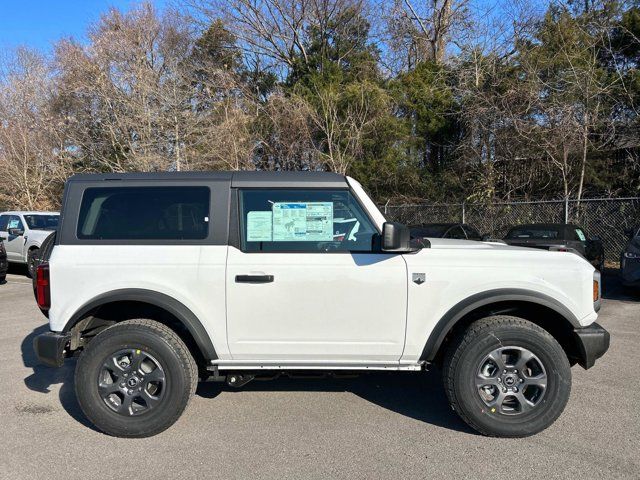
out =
column 4, row 264
column 630, row 260
column 558, row 236
column 445, row 230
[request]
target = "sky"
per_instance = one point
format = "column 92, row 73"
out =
column 39, row 23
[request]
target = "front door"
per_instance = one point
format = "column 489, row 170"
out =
column 305, row 283
column 14, row 244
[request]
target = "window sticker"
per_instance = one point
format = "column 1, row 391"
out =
column 13, row 223
column 580, row 234
column 259, row 226
column 303, row 221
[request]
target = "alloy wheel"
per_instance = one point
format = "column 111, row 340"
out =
column 511, row 380
column 131, row 382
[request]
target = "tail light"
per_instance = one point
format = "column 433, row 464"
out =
column 43, row 289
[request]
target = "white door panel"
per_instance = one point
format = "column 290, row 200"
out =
column 14, row 244
column 319, row 306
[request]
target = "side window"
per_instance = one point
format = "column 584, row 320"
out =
column 14, row 222
column 295, row 220
column 4, row 220
column 144, row 213
column 456, row 232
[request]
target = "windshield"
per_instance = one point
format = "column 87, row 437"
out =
column 42, row 222
column 533, row 233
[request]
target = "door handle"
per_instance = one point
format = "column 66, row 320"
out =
column 254, row 278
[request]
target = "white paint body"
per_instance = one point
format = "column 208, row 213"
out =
column 324, row 310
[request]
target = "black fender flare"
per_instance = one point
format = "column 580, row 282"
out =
column 170, row 304
column 469, row 304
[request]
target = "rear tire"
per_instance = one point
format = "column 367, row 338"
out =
column 135, row 379
column 506, row 377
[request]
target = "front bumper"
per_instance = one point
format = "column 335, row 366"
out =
column 593, row 341
column 50, row 348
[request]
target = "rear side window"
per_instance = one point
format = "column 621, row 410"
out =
column 4, row 219
column 144, row 213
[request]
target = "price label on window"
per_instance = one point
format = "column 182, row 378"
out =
column 303, row 221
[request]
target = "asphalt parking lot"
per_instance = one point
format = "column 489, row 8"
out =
column 373, row 426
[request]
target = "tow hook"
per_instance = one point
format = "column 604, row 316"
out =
column 236, row 380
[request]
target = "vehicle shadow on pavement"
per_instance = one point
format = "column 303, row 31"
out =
column 43, row 377
column 418, row 395
column 612, row 288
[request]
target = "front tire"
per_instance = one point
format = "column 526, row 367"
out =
column 507, row 377
column 32, row 262
column 135, row 379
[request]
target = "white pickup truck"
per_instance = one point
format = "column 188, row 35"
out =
column 159, row 280
column 23, row 234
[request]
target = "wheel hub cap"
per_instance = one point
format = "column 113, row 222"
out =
column 510, row 379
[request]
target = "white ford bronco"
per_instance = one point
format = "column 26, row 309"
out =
column 159, row 280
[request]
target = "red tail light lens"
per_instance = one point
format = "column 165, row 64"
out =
column 43, row 291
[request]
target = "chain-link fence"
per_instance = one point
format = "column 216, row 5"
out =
column 606, row 218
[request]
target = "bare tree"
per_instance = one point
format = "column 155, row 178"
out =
column 344, row 119
column 286, row 135
column 279, row 30
column 32, row 155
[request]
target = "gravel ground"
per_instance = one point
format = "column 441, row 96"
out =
column 379, row 425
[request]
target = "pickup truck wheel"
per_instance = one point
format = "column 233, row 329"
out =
column 507, row 377
column 32, row 262
column 135, row 379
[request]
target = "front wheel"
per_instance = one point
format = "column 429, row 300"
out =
column 507, row 377
column 32, row 262
column 135, row 379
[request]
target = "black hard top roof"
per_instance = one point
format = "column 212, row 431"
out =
column 237, row 179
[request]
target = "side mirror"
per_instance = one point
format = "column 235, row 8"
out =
column 396, row 238
column 16, row 232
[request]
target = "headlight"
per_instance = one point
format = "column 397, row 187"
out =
column 631, row 255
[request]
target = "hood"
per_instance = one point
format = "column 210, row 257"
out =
column 492, row 255
column 35, row 234
column 449, row 243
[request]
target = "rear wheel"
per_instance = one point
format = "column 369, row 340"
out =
column 507, row 377
column 135, row 379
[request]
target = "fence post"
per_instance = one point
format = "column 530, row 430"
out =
column 566, row 210
column 385, row 206
column 464, row 213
